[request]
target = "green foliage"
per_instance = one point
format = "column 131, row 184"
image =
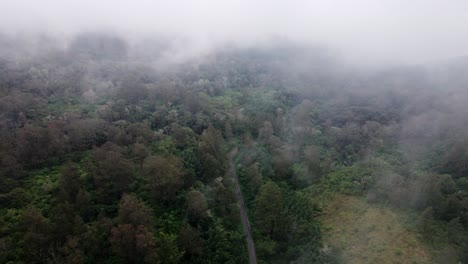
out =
column 170, row 221
column 347, row 180
column 166, row 146
column 11, row 237
column 42, row 184
column 58, row 106
column 229, row 100
column 260, row 154
column 268, row 101
column 85, row 179
column 269, row 210
column 224, row 246
column 212, row 154
column 266, row 248
column 463, row 184
column 168, row 252
column 300, row 174
column 16, row 198
column 192, row 163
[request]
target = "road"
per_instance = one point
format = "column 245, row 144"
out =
column 242, row 210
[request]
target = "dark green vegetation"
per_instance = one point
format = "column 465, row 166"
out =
column 105, row 159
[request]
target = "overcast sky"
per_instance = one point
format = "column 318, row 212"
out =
column 404, row 31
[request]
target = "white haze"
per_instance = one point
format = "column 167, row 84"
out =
column 367, row 32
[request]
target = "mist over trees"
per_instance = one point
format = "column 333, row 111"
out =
column 112, row 155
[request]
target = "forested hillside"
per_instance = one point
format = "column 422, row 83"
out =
column 111, row 154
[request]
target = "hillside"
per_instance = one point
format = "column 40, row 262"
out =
column 110, row 158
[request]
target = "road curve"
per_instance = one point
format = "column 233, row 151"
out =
column 242, row 210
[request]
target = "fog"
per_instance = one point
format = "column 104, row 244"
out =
column 358, row 98
column 364, row 32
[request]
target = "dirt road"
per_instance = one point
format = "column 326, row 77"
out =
column 243, row 211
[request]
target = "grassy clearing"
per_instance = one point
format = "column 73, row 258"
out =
column 368, row 233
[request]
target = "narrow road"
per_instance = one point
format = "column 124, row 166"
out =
column 243, row 211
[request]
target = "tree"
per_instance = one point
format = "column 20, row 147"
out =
column 265, row 132
column 281, row 162
column 139, row 151
column 36, row 237
column 10, row 170
column 228, row 130
column 269, row 206
column 224, row 246
column 132, row 89
column 133, row 210
column 111, row 171
column 66, row 221
column 134, row 244
column 135, row 133
column 165, row 176
column 32, row 145
column 69, row 183
column 212, row 155
column 140, row 133
column 425, row 223
column 131, row 239
column 197, row 205
column 95, row 240
column 17, row 108
column 190, row 239
column 456, row 232
column 69, row 253
column 312, row 161
column 71, row 188
column 168, row 252
column 255, row 175
column 183, row 136
column 85, row 133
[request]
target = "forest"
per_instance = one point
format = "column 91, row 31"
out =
column 111, row 155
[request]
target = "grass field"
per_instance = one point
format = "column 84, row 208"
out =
column 368, row 233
